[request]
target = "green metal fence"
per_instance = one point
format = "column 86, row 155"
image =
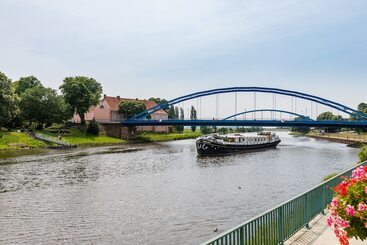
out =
column 280, row 223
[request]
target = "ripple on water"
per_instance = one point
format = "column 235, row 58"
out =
column 162, row 194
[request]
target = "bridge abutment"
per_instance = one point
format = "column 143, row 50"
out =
column 119, row 131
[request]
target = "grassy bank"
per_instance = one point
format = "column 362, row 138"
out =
column 78, row 136
column 160, row 137
column 347, row 135
column 18, row 140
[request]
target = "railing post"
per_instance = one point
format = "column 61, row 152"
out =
column 323, row 200
column 281, row 225
column 242, row 236
column 306, row 211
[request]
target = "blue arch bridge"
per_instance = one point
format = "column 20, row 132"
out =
column 357, row 118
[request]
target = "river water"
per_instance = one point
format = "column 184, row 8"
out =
column 156, row 194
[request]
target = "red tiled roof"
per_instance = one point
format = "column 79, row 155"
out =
column 114, row 102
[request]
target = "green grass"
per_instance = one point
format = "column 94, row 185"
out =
column 332, row 175
column 18, row 140
column 160, row 137
column 78, row 137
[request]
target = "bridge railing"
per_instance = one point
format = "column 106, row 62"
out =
column 280, row 223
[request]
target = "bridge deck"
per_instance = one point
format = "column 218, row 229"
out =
column 265, row 123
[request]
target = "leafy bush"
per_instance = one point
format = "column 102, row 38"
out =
column 93, row 128
column 206, row 130
column 363, row 154
column 348, row 209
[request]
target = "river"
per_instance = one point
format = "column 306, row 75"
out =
column 154, row 194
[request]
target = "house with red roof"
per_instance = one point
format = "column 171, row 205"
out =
column 107, row 112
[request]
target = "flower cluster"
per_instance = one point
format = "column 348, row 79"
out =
column 348, row 209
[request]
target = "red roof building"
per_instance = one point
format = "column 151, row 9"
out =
column 107, row 111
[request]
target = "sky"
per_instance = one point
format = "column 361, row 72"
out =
column 169, row 48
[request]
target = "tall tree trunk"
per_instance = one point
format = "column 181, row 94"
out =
column 82, row 118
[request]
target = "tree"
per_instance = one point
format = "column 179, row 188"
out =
column 171, row 112
column 93, row 127
column 300, row 129
column 176, row 116
column 329, row 116
column 326, row 116
column 362, row 107
column 131, row 108
column 158, row 101
column 193, row 116
column 363, row 154
column 41, row 105
column 8, row 101
column 25, row 83
column 206, row 130
column 223, row 130
column 81, row 93
column 182, row 117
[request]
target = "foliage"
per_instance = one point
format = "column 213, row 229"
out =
column 18, row 140
column 80, row 93
column 223, row 130
column 362, row 107
column 81, row 137
column 131, row 108
column 363, row 154
column 193, row 116
column 301, row 129
column 177, row 128
column 182, row 117
column 329, row 176
column 329, row 116
column 348, row 209
column 171, row 112
column 248, row 129
column 206, row 130
column 25, row 83
column 42, row 105
column 8, row 101
column 160, row 137
column 159, row 101
column 93, row 127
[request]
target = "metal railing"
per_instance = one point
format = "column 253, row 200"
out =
column 51, row 140
column 280, row 223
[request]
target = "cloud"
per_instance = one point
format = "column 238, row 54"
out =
column 184, row 44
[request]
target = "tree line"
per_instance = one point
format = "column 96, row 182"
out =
column 329, row 116
column 27, row 101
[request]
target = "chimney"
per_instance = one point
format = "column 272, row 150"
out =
column 118, row 97
column 104, row 96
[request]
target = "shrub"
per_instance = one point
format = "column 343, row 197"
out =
column 363, row 154
column 348, row 209
column 93, row 128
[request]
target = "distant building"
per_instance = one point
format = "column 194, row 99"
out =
column 107, row 112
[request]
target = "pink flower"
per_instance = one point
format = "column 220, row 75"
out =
column 344, row 224
column 350, row 210
column 358, row 173
column 365, row 190
column 335, row 202
column 329, row 221
column 362, row 207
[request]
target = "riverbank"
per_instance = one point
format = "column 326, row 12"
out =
column 348, row 137
column 14, row 144
column 162, row 137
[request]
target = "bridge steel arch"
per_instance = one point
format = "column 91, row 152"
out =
column 267, row 110
column 316, row 99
